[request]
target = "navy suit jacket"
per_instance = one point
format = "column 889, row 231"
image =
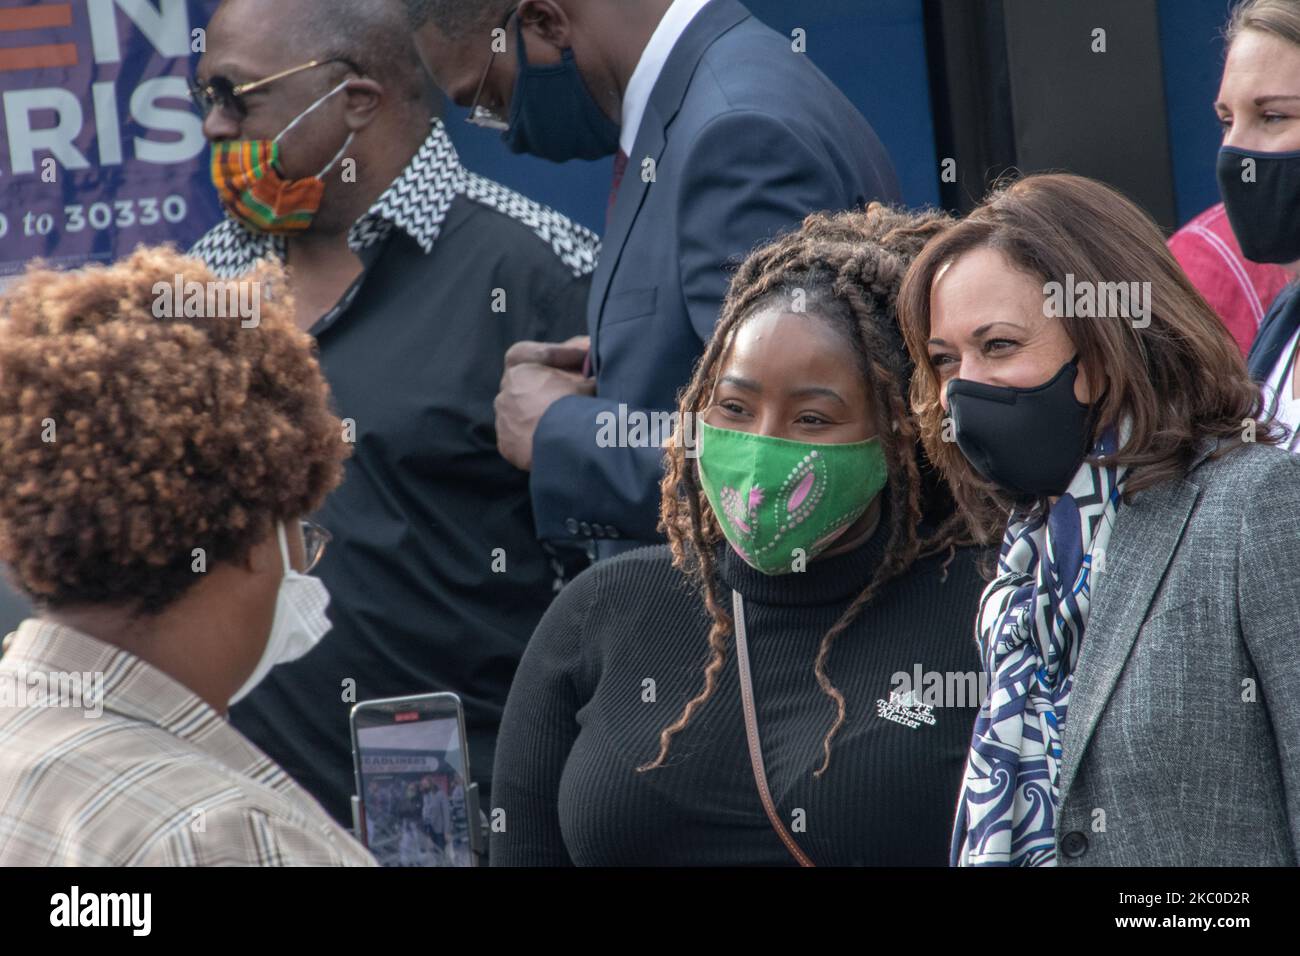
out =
column 747, row 137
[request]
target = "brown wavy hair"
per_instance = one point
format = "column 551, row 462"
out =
column 1181, row 379
column 848, row 267
column 169, row 434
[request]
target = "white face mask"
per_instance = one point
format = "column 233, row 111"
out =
column 299, row 624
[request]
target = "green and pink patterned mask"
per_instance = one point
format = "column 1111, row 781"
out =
column 778, row 500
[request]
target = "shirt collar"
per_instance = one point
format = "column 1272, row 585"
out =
column 637, row 95
column 416, row 203
column 418, row 200
column 135, row 689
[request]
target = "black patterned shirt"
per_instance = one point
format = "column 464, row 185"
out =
column 417, row 203
column 436, row 577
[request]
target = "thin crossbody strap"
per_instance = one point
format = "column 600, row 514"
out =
column 751, row 733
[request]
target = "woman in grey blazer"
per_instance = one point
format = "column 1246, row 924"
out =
column 1140, row 632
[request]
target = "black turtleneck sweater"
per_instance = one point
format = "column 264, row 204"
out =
column 623, row 648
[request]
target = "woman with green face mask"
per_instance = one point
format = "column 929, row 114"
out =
column 681, row 705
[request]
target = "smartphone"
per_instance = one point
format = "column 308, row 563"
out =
column 416, row 805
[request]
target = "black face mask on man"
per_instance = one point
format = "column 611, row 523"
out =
column 1262, row 198
column 1027, row 441
column 553, row 115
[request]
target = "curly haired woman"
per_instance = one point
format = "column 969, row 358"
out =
column 801, row 571
column 155, row 471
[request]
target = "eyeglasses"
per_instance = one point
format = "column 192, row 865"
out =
column 220, row 91
column 314, row 539
column 481, row 116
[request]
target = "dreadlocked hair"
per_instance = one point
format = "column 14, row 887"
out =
column 846, row 269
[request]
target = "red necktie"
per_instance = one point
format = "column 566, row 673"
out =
column 620, row 167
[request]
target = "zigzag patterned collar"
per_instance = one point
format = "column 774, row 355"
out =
column 416, row 202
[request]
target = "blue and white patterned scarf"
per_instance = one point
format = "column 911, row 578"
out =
column 1031, row 623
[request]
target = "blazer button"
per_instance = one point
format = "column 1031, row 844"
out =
column 585, row 529
column 611, row 531
column 1074, row 844
column 571, row 525
column 598, row 530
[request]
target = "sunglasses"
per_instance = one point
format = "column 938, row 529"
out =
column 220, row 92
column 314, row 539
column 481, row 116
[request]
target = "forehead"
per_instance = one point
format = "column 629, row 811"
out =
column 774, row 328
column 979, row 286
column 242, row 54
column 1257, row 59
column 447, row 57
column 780, row 350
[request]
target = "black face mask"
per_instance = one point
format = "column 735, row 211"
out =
column 553, row 115
column 1265, row 214
column 1027, row 441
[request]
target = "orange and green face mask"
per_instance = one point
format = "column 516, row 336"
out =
column 252, row 190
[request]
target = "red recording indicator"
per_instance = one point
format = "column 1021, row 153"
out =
column 405, row 716
column 42, row 55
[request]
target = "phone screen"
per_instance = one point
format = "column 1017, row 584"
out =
column 413, row 787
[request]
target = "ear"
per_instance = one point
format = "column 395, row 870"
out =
column 547, row 20
column 363, row 98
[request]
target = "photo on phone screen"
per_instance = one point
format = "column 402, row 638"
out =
column 412, row 775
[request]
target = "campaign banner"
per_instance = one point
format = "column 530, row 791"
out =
column 100, row 147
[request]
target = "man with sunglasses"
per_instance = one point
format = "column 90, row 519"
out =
column 414, row 276
column 724, row 134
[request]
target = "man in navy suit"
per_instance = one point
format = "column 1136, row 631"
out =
column 724, row 133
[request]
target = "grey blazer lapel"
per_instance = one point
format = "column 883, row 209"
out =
column 1147, row 532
